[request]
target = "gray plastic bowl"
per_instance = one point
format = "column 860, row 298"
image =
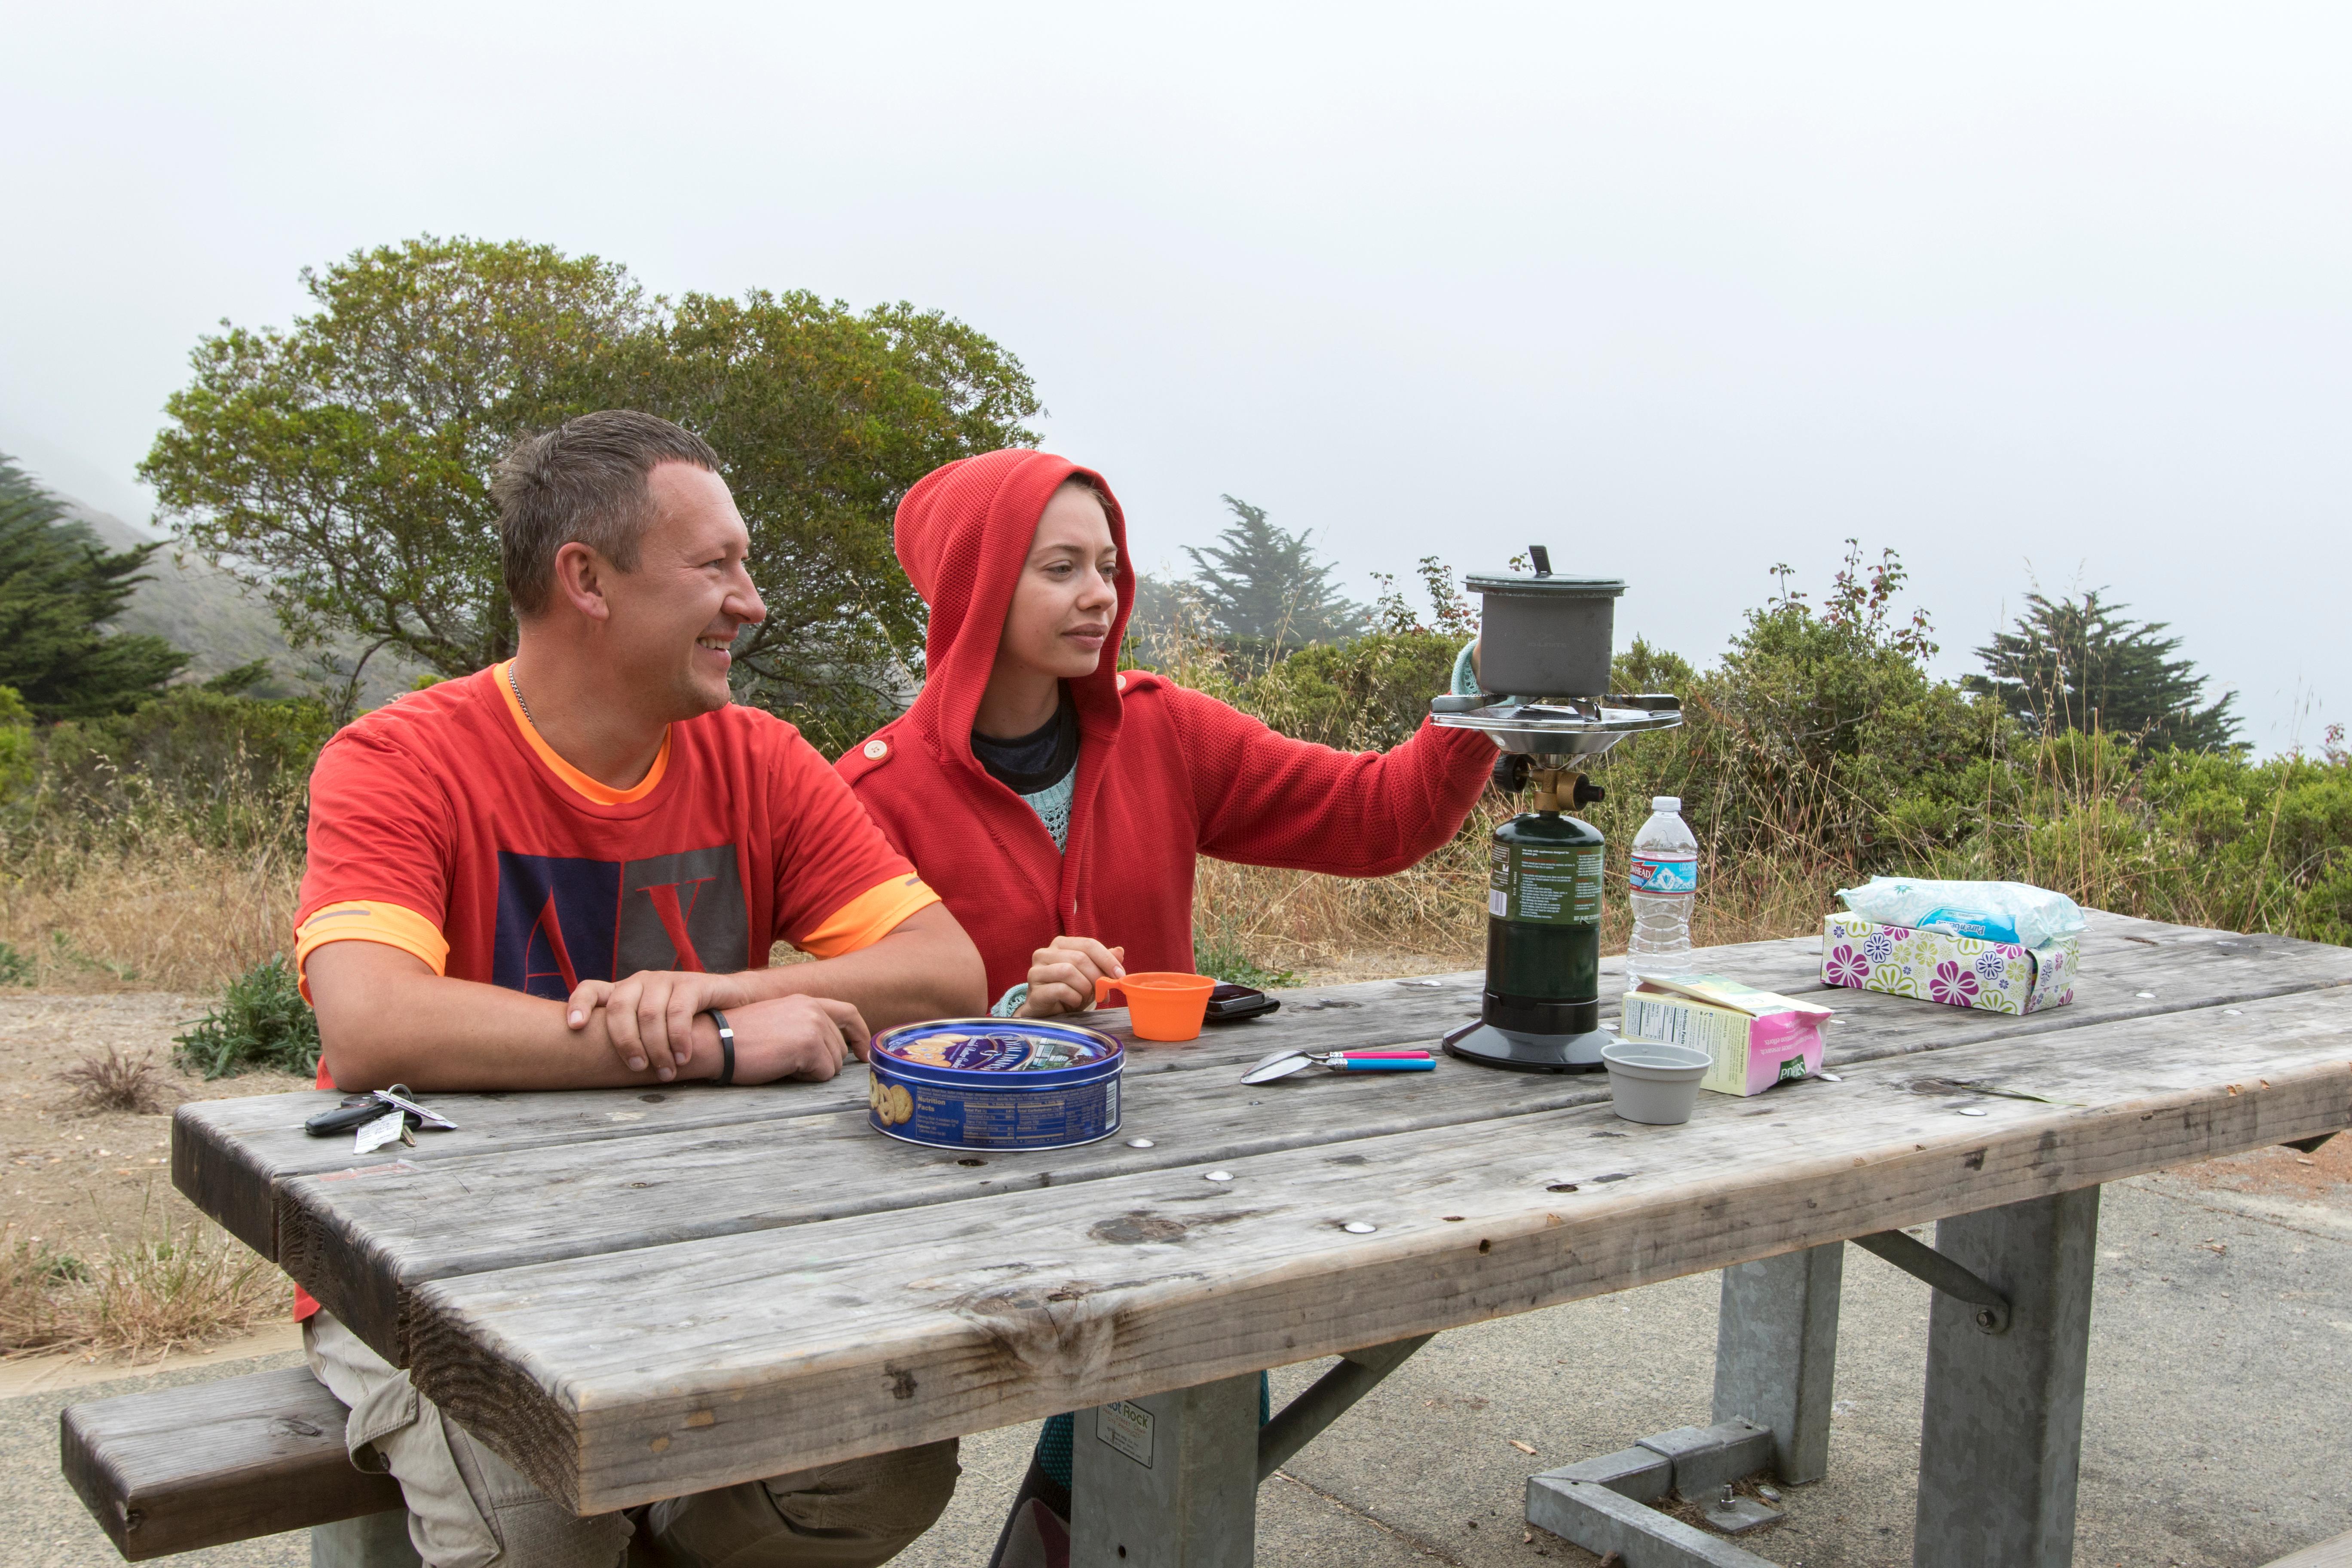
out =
column 1656, row 1084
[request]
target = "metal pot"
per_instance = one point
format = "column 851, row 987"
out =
column 1542, row 635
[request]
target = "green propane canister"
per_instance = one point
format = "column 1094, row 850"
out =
column 1541, row 1009
column 1543, row 925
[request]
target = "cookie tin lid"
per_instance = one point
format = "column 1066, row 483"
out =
column 1037, row 1053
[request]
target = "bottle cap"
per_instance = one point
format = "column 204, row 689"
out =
column 1665, row 803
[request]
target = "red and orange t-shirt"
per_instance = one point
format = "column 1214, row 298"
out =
column 444, row 826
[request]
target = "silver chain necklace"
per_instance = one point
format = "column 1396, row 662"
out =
column 520, row 702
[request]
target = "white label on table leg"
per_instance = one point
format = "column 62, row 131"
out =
column 1127, row 1427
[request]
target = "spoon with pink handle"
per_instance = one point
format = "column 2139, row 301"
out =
column 1282, row 1064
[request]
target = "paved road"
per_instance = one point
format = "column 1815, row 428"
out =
column 2223, row 1322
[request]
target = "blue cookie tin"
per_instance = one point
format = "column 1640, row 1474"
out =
column 994, row 1083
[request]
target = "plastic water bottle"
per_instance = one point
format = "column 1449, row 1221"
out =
column 1665, row 885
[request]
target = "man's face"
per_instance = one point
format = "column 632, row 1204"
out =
column 671, row 621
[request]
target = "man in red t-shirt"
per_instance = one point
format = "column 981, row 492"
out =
column 520, row 879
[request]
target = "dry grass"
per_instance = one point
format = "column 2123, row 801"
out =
column 169, row 914
column 136, row 1085
column 161, row 1292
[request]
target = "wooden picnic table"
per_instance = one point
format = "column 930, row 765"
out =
column 638, row 1294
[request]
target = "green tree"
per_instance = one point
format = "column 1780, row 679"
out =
column 825, row 417
column 343, row 465
column 1820, row 732
column 59, row 588
column 1262, row 587
column 2082, row 664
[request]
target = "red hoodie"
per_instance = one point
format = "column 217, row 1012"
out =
column 1163, row 773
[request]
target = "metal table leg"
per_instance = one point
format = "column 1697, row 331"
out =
column 2000, row 1440
column 1776, row 1354
column 1169, row 1482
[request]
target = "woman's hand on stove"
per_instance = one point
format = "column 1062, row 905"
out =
column 1062, row 975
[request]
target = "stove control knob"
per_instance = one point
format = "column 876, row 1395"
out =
column 1511, row 772
column 1587, row 793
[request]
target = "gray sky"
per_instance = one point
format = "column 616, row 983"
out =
column 2029, row 293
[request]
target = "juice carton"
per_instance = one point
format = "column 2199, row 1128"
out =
column 1756, row 1038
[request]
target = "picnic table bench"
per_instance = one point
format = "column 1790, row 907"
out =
column 635, row 1295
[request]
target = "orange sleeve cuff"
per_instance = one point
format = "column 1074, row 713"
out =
column 359, row 921
column 867, row 917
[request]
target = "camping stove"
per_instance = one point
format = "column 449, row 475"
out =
column 1541, row 633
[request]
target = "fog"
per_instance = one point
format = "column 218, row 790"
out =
column 2033, row 294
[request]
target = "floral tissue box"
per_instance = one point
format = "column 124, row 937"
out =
column 1957, row 970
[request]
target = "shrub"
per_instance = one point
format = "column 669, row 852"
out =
column 116, row 1083
column 262, row 1022
column 1219, row 951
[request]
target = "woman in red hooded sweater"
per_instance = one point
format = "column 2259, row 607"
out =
column 1057, row 805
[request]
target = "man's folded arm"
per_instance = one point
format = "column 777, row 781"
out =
column 385, row 1017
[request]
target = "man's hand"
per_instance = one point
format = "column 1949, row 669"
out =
column 805, row 1037
column 1062, row 976
column 650, row 1016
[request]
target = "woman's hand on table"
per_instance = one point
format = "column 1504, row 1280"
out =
column 1062, row 975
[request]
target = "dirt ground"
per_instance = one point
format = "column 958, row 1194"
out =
column 77, row 1182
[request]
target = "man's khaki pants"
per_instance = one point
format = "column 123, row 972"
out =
column 467, row 1508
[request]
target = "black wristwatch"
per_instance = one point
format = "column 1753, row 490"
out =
column 725, row 1047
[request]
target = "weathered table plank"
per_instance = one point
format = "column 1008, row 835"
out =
column 620, row 1378
column 227, row 1155
column 363, row 1245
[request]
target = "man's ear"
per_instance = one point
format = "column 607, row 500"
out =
column 581, row 575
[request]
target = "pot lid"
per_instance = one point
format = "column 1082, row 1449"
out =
column 1545, row 582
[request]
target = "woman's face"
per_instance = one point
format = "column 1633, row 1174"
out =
column 1068, row 593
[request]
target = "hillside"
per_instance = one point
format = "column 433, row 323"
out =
column 195, row 605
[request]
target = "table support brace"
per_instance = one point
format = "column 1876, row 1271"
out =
column 1948, row 1275
column 1304, row 1417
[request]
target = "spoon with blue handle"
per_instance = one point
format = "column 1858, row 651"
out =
column 1282, row 1064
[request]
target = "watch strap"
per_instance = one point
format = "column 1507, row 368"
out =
column 725, row 1047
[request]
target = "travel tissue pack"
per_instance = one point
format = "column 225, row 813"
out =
column 1753, row 1038
column 1956, row 970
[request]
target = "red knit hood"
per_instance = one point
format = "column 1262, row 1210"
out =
column 964, row 533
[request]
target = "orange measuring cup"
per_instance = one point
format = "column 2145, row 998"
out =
column 1161, row 1003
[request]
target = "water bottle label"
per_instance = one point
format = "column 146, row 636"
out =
column 1664, row 877
column 1546, row 887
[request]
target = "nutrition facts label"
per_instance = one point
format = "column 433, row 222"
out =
column 1546, row 887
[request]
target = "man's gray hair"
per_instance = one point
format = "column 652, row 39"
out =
column 583, row 482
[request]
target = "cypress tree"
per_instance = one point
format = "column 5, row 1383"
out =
column 59, row 587
column 2083, row 664
column 1262, row 588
